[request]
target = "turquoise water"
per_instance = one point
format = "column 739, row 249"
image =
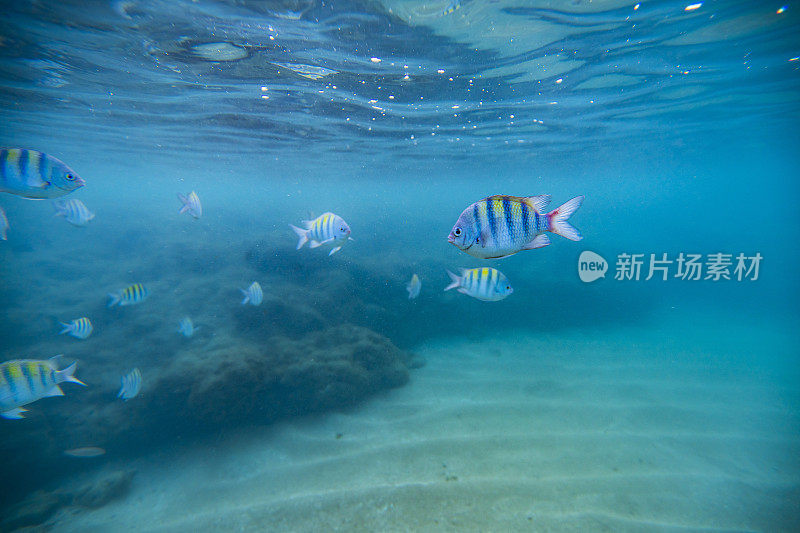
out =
column 338, row 403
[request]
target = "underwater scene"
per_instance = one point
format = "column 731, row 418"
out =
column 399, row 265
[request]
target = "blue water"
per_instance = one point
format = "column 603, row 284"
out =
column 679, row 126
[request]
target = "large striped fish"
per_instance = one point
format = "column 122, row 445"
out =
column 487, row 284
column 325, row 229
column 32, row 174
column 134, row 294
column 499, row 226
column 24, row 381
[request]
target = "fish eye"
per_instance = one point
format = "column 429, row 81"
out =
column 70, row 177
column 457, row 232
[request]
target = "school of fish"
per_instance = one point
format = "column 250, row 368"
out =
column 495, row 227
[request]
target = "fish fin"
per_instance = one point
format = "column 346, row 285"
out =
column 540, row 241
column 302, row 234
column 185, row 201
column 350, row 239
column 114, row 299
column 14, row 414
column 539, row 203
column 55, row 360
column 484, row 236
column 462, row 290
column 557, row 219
column 67, row 375
column 67, row 328
column 333, row 251
column 54, row 391
column 455, row 281
column 246, row 297
column 315, row 244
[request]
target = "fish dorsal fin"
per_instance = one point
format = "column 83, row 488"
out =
column 539, row 203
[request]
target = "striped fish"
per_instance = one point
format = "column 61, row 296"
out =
column 24, row 381
column 326, row 229
column 253, row 295
column 74, row 211
column 3, row 225
column 487, row 284
column 191, row 204
column 499, row 226
column 413, row 287
column 79, row 328
column 187, row 327
column 131, row 385
column 32, row 174
column 134, row 294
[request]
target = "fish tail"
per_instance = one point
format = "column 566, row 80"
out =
column 301, row 234
column 67, row 375
column 185, row 201
column 67, row 327
column 114, row 299
column 246, row 299
column 455, row 281
column 557, row 219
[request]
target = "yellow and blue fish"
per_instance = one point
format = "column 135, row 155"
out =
column 327, row 228
column 499, row 226
column 35, row 175
column 79, row 328
column 253, row 295
column 134, row 294
column 131, row 385
column 487, row 284
column 413, row 287
column 191, row 204
column 74, row 211
column 24, row 381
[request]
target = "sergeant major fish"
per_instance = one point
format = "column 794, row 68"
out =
column 413, row 287
column 24, row 381
column 32, row 174
column 325, row 229
column 253, row 295
column 499, row 226
column 74, row 211
column 134, row 294
column 487, row 284
column 191, row 204
column 187, row 327
column 80, row 328
column 131, row 385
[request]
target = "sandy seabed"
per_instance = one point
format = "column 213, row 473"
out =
column 619, row 431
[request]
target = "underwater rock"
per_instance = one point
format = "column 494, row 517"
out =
column 323, row 370
column 104, row 489
column 32, row 511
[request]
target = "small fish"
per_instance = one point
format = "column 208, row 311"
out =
column 413, row 287
column 253, row 295
column 3, row 225
column 86, row 451
column 187, row 328
column 487, row 284
column 134, row 294
column 327, row 229
column 32, row 174
column 24, row 381
column 79, row 328
column 191, row 204
column 499, row 226
column 74, row 211
column 131, row 385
